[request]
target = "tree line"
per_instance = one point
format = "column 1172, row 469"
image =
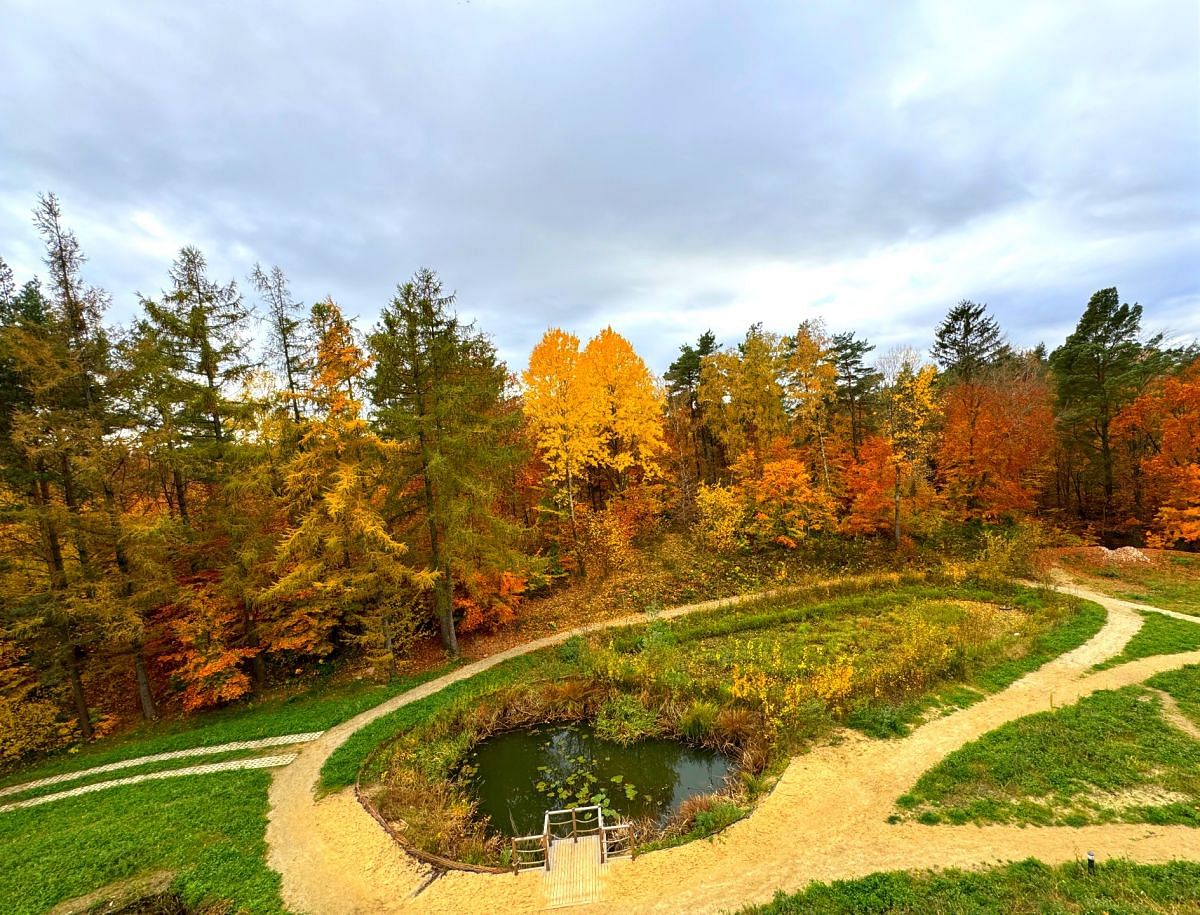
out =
column 189, row 513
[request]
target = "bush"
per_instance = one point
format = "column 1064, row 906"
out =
column 718, row 517
column 697, row 722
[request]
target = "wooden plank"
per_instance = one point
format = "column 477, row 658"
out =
column 576, row 876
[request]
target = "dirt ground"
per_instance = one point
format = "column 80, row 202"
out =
column 825, row 820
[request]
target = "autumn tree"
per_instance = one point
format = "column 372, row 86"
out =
column 742, row 393
column 995, row 441
column 562, row 415
column 809, row 384
column 910, row 409
column 342, row 573
column 1168, row 415
column 630, row 407
column 439, row 389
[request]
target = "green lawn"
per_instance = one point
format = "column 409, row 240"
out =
column 208, row 829
column 1159, row 635
column 1109, row 758
column 1027, row 888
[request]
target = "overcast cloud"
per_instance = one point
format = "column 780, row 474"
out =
column 661, row 167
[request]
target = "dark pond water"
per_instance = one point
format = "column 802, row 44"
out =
column 519, row 775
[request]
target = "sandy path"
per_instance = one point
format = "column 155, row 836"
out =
column 826, row 819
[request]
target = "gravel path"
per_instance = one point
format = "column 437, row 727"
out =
column 264, row 743
column 826, row 819
column 256, row 762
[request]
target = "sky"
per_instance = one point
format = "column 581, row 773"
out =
column 663, row 168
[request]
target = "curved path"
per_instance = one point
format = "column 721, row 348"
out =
column 826, row 818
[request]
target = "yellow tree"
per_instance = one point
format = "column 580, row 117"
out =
column 616, row 382
column 565, row 419
column 810, row 385
column 911, row 407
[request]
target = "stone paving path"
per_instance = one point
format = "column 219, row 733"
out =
column 262, row 744
column 256, row 762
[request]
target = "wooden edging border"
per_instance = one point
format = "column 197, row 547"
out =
column 427, row 857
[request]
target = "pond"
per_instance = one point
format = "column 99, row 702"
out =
column 519, row 775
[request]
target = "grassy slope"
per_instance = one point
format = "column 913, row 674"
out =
column 1171, row 581
column 1026, row 888
column 209, row 829
column 1065, row 767
column 312, row 709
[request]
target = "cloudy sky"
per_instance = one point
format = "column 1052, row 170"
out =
column 661, row 167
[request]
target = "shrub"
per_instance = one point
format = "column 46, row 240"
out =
column 697, row 722
column 718, row 517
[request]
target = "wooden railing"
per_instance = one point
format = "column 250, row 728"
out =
column 616, row 840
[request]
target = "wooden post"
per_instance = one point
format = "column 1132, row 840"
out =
column 574, row 830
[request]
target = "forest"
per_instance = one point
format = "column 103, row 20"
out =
column 234, row 486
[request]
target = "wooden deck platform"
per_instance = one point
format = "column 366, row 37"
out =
column 575, row 875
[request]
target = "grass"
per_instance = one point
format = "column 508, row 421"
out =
column 207, row 829
column 1111, row 757
column 1171, row 580
column 1184, row 687
column 312, row 708
column 1118, row 888
column 896, row 719
column 1159, row 635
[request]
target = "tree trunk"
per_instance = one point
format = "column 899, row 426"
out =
column 574, row 526
column 72, row 501
column 72, row 658
column 443, row 607
column 149, row 712
column 54, row 560
column 897, row 506
column 258, row 665
column 180, row 496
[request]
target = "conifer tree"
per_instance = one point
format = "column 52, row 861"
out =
column 1099, row 369
column 342, row 573
column 856, row 384
column 967, row 342
column 290, row 349
column 438, row 389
